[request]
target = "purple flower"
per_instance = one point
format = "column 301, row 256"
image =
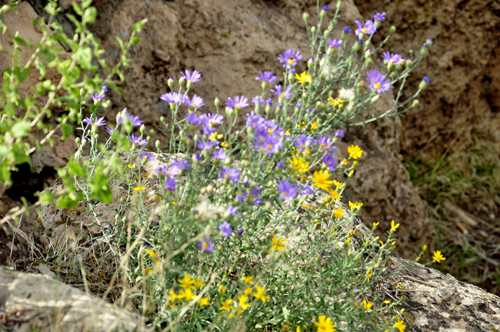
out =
column 219, row 155
column 425, row 45
column 290, row 57
column 168, row 172
column 196, row 102
column 98, row 123
column 360, row 41
column 346, row 29
column 287, row 190
column 253, row 196
column 325, row 8
column 254, row 120
column 330, row 161
column 230, row 173
column 181, row 165
column 238, row 102
column 266, row 76
column 377, row 82
column 97, row 97
column 225, row 228
column 192, row 78
column 206, row 245
column 339, row 133
column 258, row 100
column 368, row 29
column 391, row 58
column 325, row 143
column 110, row 132
column 269, row 101
column 379, row 16
column 147, row 156
column 280, row 164
column 206, row 146
column 426, row 79
column 211, row 119
column 173, row 98
column 170, row 184
column 305, row 189
column 137, row 140
column 193, row 119
column 282, row 94
column 135, row 119
column 298, row 105
column 240, row 231
column 232, row 210
column 302, row 140
column 334, row 43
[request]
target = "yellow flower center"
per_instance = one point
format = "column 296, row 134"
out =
column 204, row 245
column 364, row 30
column 377, row 86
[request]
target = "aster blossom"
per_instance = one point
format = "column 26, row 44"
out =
column 135, row 119
column 173, row 98
column 138, row 141
column 266, row 76
column 206, row 245
column 97, row 97
column 211, row 119
column 193, row 119
column 367, row 29
column 287, row 190
column 378, row 82
column 225, row 228
column 95, row 123
column 346, row 29
column 230, row 173
column 282, row 94
column 195, row 102
column 391, row 58
column 334, row 43
column 191, row 78
column 379, row 16
column 238, row 102
column 170, row 184
column 290, row 57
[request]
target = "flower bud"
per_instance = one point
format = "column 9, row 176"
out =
column 170, row 82
column 415, row 103
column 424, row 50
column 392, row 30
column 268, row 206
column 158, row 144
column 326, row 33
column 310, row 62
column 237, row 111
column 356, row 47
column 390, row 66
column 264, row 85
column 322, row 62
column 306, row 16
column 369, row 62
column 339, row 4
column 162, row 118
column 375, row 98
column 322, row 13
column 142, row 129
column 429, row 41
column 313, row 30
column 424, row 82
column 189, row 85
column 368, row 53
column 333, row 23
column 408, row 63
column 394, row 75
column 377, row 24
column 290, row 78
column 229, row 111
column 209, row 188
column 329, row 51
column 227, row 161
column 268, row 109
column 217, row 102
column 399, row 67
column 182, row 80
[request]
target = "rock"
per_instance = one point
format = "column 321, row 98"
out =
column 29, row 302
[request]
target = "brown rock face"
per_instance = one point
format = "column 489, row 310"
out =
column 462, row 64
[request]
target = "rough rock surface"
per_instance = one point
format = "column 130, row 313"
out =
column 31, row 302
column 463, row 65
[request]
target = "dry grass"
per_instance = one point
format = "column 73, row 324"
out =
column 462, row 197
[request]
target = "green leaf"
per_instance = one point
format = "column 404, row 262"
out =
column 138, row 26
column 90, row 15
column 77, row 9
column 84, row 57
column 21, row 129
column 75, row 168
column 100, row 189
column 69, row 200
column 86, row 3
column 21, row 40
column 20, row 155
column 51, row 8
column 47, row 197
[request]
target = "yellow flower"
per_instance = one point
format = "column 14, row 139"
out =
column 325, row 324
column 299, row 164
column 356, row 205
column 243, row 302
column 222, row 289
column 187, row 293
column 344, row 161
column 138, row 189
column 424, row 248
column 375, row 224
column 348, row 241
column 367, row 305
column 174, row 296
column 226, row 305
column 260, row 294
column 387, row 302
column 129, row 166
column 147, row 271
column 438, row 257
column 248, row 291
column 151, row 253
column 298, row 328
column 321, row 181
column 354, row 151
column 314, row 126
column 302, row 124
column 278, row 243
column 338, row 212
column 336, row 102
column 248, row 279
column 393, row 228
column 214, row 136
column 198, row 283
column 369, row 275
column 351, row 232
column 203, row 301
column 303, row 78
column 223, row 144
column 339, row 185
column 400, row 325
column 187, row 282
